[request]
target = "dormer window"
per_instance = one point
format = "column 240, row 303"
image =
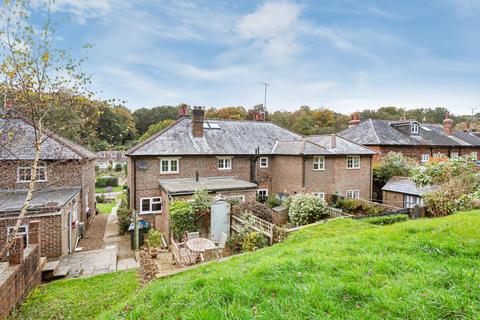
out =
column 414, row 128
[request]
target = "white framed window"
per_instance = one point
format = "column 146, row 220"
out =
column 353, row 194
column 113, row 154
column 263, row 162
column 414, row 128
column 262, row 194
column 410, row 201
column 102, row 154
column 168, row 165
column 474, row 155
column 321, row 195
column 425, row 157
column 318, row 163
column 454, row 155
column 22, row 231
column 24, row 173
column 353, row 162
column 438, row 155
column 224, row 163
column 151, row 205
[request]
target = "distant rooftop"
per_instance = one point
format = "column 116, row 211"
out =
column 187, row 186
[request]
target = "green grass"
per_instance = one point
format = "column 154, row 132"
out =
column 77, row 298
column 344, row 269
column 104, row 190
column 106, row 208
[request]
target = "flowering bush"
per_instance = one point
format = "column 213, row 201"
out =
column 306, row 208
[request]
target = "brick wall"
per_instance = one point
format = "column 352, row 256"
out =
column 392, row 199
column 287, row 174
column 415, row 152
column 60, row 174
column 18, row 279
column 52, row 243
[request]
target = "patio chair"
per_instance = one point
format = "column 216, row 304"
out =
column 221, row 245
column 193, row 235
column 181, row 254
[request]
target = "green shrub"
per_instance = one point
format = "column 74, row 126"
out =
column 306, row 208
column 154, row 238
column 124, row 219
column 384, row 220
column 182, row 218
column 358, row 207
column 101, row 198
column 118, row 167
column 235, row 242
column 273, row 202
column 201, row 200
column 104, row 182
column 257, row 209
column 253, row 241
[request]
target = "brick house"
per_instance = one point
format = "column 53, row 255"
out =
column 403, row 193
column 420, row 141
column 240, row 159
column 111, row 158
column 64, row 198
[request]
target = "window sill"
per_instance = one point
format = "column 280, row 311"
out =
column 176, row 172
column 143, row 213
column 319, row 169
column 353, row 168
column 225, row 169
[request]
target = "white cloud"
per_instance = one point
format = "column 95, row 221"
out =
column 81, row 10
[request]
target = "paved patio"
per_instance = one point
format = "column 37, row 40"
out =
column 90, row 263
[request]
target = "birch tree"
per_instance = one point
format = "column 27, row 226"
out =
column 37, row 76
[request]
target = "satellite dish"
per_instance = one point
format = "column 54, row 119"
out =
column 142, row 165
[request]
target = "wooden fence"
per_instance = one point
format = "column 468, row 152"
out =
column 254, row 223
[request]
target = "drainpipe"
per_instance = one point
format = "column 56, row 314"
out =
column 303, row 171
column 134, row 183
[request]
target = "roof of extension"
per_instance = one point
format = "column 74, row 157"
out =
column 186, row 186
column 54, row 199
column 17, row 136
column 406, row 186
column 230, row 137
column 384, row 132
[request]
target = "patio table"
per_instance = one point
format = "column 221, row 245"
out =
column 200, row 245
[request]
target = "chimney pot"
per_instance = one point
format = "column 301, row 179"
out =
column 198, row 115
column 354, row 119
column 183, row 111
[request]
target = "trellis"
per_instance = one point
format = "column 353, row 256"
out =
column 254, row 223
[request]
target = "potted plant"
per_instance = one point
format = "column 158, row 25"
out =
column 154, row 241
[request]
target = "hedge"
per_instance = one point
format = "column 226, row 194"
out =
column 387, row 219
column 106, row 182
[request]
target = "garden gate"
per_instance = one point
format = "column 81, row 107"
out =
column 219, row 219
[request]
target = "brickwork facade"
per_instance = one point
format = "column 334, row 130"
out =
column 416, row 152
column 392, row 198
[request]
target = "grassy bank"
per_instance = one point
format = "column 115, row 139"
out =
column 78, row 298
column 344, row 269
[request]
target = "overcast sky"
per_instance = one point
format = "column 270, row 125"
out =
column 344, row 54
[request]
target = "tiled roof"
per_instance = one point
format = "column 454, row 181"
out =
column 13, row 200
column 189, row 186
column 17, row 136
column 383, row 132
column 406, row 186
column 228, row 137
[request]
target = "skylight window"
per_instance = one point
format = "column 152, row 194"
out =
column 211, row 125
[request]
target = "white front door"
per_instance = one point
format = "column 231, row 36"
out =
column 219, row 220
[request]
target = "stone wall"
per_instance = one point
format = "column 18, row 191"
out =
column 21, row 274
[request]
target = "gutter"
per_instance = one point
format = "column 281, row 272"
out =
column 190, row 192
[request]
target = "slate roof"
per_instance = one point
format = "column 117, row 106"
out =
column 186, row 186
column 343, row 146
column 230, row 137
column 406, row 186
column 16, row 143
column 12, row 200
column 383, row 132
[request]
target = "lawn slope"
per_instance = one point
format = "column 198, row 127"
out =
column 78, row 298
column 345, row 269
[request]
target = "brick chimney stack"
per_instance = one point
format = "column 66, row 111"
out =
column 198, row 115
column 183, row 111
column 333, row 142
column 448, row 125
column 354, row 119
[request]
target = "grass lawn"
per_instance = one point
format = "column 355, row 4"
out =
column 106, row 208
column 344, row 269
column 78, row 298
column 104, row 190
